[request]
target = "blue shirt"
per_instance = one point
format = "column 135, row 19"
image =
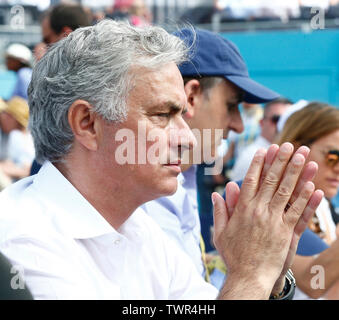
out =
column 178, row 216
column 24, row 76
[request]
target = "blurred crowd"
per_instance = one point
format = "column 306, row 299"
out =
column 280, row 9
column 261, row 10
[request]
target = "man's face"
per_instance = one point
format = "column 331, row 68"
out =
column 270, row 120
column 48, row 34
column 155, row 108
column 218, row 113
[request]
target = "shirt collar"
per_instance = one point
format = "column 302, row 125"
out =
column 73, row 213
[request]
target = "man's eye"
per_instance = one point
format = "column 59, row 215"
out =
column 231, row 106
column 163, row 115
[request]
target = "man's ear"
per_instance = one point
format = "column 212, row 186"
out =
column 261, row 122
column 84, row 124
column 194, row 95
column 66, row 31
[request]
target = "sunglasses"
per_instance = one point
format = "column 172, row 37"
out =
column 332, row 158
column 274, row 119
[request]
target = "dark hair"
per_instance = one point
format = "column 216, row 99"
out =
column 280, row 100
column 68, row 15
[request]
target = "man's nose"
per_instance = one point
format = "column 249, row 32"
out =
column 182, row 136
column 236, row 124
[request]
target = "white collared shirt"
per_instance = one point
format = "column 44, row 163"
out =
column 67, row 250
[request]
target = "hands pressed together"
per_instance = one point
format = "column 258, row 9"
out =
column 257, row 228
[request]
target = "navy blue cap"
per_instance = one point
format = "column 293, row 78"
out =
column 212, row 55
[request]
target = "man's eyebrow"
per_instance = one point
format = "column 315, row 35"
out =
column 169, row 105
column 237, row 99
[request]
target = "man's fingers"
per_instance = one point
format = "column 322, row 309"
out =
column 273, row 177
column 250, row 183
column 297, row 209
column 308, row 174
column 270, row 156
column 220, row 214
column 308, row 212
column 289, row 181
column 232, row 197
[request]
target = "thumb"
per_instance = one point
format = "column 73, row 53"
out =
column 220, row 214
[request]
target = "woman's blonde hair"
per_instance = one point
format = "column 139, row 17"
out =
column 309, row 124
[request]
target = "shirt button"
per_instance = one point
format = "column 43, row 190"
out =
column 116, row 242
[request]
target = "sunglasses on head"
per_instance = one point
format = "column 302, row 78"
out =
column 332, row 158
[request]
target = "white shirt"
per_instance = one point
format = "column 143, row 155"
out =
column 69, row 251
column 244, row 160
column 178, row 216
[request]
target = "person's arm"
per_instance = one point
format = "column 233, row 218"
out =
column 307, row 268
column 254, row 234
column 13, row 171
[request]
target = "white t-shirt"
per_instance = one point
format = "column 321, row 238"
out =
column 67, row 250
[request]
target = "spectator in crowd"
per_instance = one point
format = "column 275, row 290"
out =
column 61, row 20
column 333, row 10
column 83, row 235
column 120, row 10
column 268, row 124
column 19, row 149
column 135, row 11
column 178, row 214
column 140, row 14
column 18, row 59
column 317, row 126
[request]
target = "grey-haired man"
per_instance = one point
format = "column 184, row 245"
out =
column 75, row 227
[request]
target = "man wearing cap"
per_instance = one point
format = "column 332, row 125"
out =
column 216, row 81
column 18, row 59
column 84, row 236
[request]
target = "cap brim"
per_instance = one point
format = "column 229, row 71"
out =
column 254, row 91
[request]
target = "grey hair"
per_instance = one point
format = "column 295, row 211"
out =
column 93, row 64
